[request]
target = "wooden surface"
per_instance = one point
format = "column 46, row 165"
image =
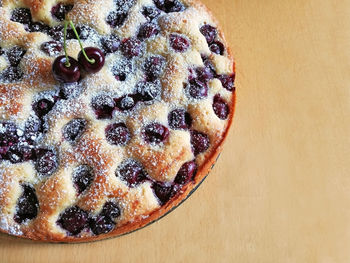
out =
column 281, row 190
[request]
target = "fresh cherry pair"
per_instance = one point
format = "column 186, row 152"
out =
column 67, row 70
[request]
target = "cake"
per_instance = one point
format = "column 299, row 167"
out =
column 101, row 141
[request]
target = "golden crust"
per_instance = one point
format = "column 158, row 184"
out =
column 57, row 192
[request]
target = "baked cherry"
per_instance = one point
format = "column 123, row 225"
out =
column 154, row 67
column 148, row 91
column 122, row 69
column 60, row 10
column 131, row 172
column 179, row 119
column 74, row 129
column 39, row 27
column 93, row 61
column 228, row 81
column 8, row 134
column 104, row 106
column 186, row 173
column 169, row 6
column 204, row 74
column 163, row 192
column 118, row 134
column 148, row 30
column 126, row 103
column 220, row 107
column 43, row 107
column 15, row 55
column 179, row 42
column 66, row 72
column 217, row 47
column 150, row 12
column 20, row 153
column 209, row 32
column 200, row 142
column 27, row 205
column 155, row 133
column 11, row 74
column 21, row 15
column 33, row 128
column 46, row 162
column 131, row 47
column 111, row 209
column 82, row 178
column 197, row 89
column 51, row 48
column 101, row 224
column 116, row 19
column 110, row 44
column 73, row 220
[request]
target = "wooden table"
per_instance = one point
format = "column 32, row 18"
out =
column 281, row 189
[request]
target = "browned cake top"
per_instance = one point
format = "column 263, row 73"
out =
column 83, row 159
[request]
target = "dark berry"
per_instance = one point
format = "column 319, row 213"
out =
column 148, row 91
column 33, row 128
column 148, row 30
column 209, row 32
column 150, row 12
column 39, row 27
column 46, row 162
column 124, row 5
column 179, row 119
column 154, row 67
column 73, row 220
column 199, row 141
column 11, row 74
column 220, row 107
column 104, row 106
column 155, row 133
column 217, row 48
column 186, row 173
column 131, row 47
column 1, row 51
column 118, row 134
column 204, row 74
column 126, row 103
column 122, row 69
column 60, row 10
column 110, row 44
column 169, row 6
column 20, row 153
column 15, row 55
column 93, row 54
column 51, row 48
column 43, row 107
column 228, row 82
column 179, row 42
column 116, row 19
column 163, row 192
column 85, row 32
column 197, row 89
column 101, row 224
column 65, row 74
column 111, row 209
column 8, row 134
column 74, row 129
column 21, row 15
column 131, row 172
column 57, row 33
column 27, row 205
column 82, row 178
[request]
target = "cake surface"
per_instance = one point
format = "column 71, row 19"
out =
column 118, row 148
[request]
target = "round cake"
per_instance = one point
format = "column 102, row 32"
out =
column 111, row 113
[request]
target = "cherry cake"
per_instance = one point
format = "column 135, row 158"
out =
column 111, row 113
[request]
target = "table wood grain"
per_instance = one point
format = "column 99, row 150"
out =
column 281, row 189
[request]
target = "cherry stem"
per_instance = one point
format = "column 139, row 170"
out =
column 91, row 61
column 67, row 64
